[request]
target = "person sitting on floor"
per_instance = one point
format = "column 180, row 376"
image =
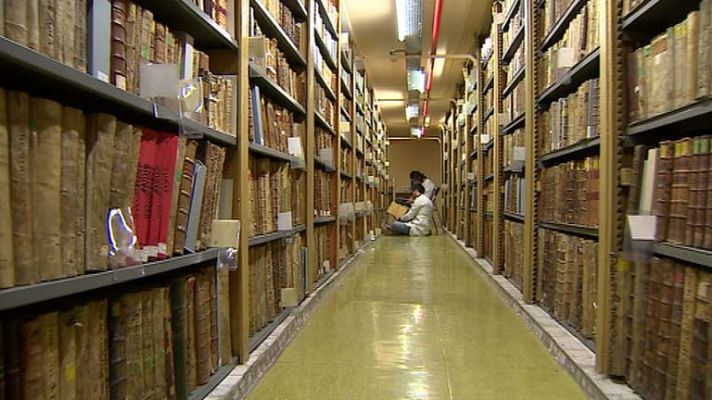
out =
column 417, row 222
column 419, row 178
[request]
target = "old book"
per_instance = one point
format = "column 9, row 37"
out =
column 196, row 202
column 48, row 28
column 697, row 384
column 32, row 355
column 119, row 39
column 681, row 174
column 67, row 355
column 184, row 197
column 163, row 192
column 120, row 191
column 169, row 360
column 131, row 302
column 202, row 327
column 21, row 182
column 148, row 344
column 698, row 193
column 7, row 269
column 224, row 320
column 72, row 202
column 178, row 328
column 12, row 351
column 46, row 119
column 191, row 361
column 159, row 341
column 663, row 181
column 16, row 21
column 680, row 59
column 33, row 24
column 101, row 130
column 118, row 356
column 692, row 56
column 98, row 350
column 705, row 180
column 678, row 284
column 64, row 15
column 177, row 181
column 215, row 158
column 80, row 35
column 703, row 65
column 159, row 44
column 143, row 193
column 132, row 49
column 661, row 90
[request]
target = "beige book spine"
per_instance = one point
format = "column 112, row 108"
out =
column 80, row 34
column 119, row 190
column 46, row 198
column 7, row 268
column 133, row 168
column 100, row 143
column 33, row 24
column 72, row 120
column 686, row 332
column 18, row 107
column 224, row 315
column 16, row 21
column 147, row 347
column 67, row 355
column 159, row 342
column 48, row 27
column 99, row 350
column 50, row 358
column 31, row 354
column 693, row 37
column 80, row 212
column 170, row 241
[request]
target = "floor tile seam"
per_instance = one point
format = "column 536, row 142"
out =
column 443, row 353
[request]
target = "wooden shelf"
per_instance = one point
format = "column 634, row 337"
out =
column 489, row 85
column 323, row 123
column 587, row 68
column 345, row 90
column 488, row 114
column 346, row 142
column 513, row 216
column 27, row 70
column 324, row 220
column 560, row 27
column 516, row 79
column 517, row 122
column 576, row 230
column 346, row 175
column 489, row 177
column 322, row 165
column 517, row 40
column 20, row 296
column 653, row 16
column 265, row 151
column 689, row 119
column 277, row 235
column 327, row 20
column 576, row 151
column 270, row 26
column 324, row 84
column 259, row 337
column 275, row 92
column 345, row 62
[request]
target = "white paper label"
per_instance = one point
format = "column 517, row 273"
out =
column 519, row 153
column 565, row 57
column 284, row 221
column 642, row 227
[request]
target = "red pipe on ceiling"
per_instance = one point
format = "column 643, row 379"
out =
column 437, row 16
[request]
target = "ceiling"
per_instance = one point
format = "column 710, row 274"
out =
column 373, row 30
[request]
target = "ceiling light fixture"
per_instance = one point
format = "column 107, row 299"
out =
column 409, row 18
column 416, row 80
column 416, row 131
column 427, row 120
column 411, row 111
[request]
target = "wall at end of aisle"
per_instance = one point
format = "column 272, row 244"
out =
column 407, row 155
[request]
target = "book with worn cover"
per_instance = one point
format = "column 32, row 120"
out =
column 663, row 180
column 67, row 355
column 72, row 197
column 7, row 269
column 196, row 201
column 184, row 197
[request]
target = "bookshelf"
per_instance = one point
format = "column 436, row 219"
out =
column 273, row 71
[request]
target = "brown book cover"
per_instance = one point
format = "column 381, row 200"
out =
column 33, row 24
column 16, row 21
column 694, row 189
column 703, row 65
column 121, row 192
column 132, row 49
column 214, row 351
column 18, row 108
column 663, row 181
column 159, row 44
column 101, row 130
column 119, row 370
column 177, row 181
column 72, row 202
column 133, row 159
column 159, row 341
column 146, row 38
column 50, row 354
column 119, row 39
column 692, row 56
column 191, row 367
column 67, row 355
column 169, row 360
column 64, row 15
column 224, row 315
column 48, row 27
column 661, row 57
column 681, row 174
column 680, row 57
column 701, row 199
column 7, row 269
column 184, row 196
column 134, row 343
column 80, row 35
column 215, row 159
column 98, row 351
column 32, row 361
column 46, row 119
column 697, row 385
column 672, row 351
column 147, row 345
column 202, row 327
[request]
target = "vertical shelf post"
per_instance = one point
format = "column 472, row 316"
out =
column 530, row 146
column 310, row 142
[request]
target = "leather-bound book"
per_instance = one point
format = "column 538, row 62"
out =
column 119, row 67
column 71, row 200
column 33, row 24
column 681, row 173
column 16, row 21
column 21, row 178
column 143, row 191
column 680, row 60
column 692, row 56
column 178, row 328
column 698, row 386
column 146, row 41
column 225, row 342
column 163, row 192
column 184, row 196
column 134, row 343
column 159, row 44
column 133, row 29
column 678, row 284
column 180, row 159
column 101, row 130
column 12, row 351
column 46, row 119
column 98, row 351
column 169, row 360
column 706, row 208
column 67, row 355
column 703, row 65
column 147, row 344
column 7, row 269
column 663, row 181
column 135, row 152
column 159, row 341
column 81, row 194
column 32, row 360
column 215, row 158
column 84, row 375
column 698, row 193
column 202, row 327
column 214, row 351
column 48, row 27
column 80, row 35
column 118, row 357
column 191, row 370
column 120, row 191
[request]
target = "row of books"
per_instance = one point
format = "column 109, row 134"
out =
column 671, row 182
column 324, row 144
column 276, row 196
column 674, row 69
column 487, row 238
column 346, row 159
column 580, row 39
column 97, row 173
column 515, row 194
column 265, row 53
column 513, row 104
column 284, row 17
column 515, row 24
column 330, row 42
column 513, row 147
column 323, row 193
column 513, row 254
column 325, row 106
column 219, row 11
column 572, row 119
column 272, row 125
column 346, row 241
column 668, row 331
column 515, row 64
column 346, row 191
column 275, row 266
column 567, row 282
column 157, row 342
column 324, row 240
column 570, row 193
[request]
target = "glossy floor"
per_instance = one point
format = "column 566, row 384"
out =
column 414, row 320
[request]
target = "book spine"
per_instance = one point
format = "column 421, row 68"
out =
column 101, row 130
column 159, row 341
column 80, row 35
column 119, row 40
column 164, row 191
column 178, row 328
column 184, row 197
column 177, row 181
column 7, row 268
column 33, row 24
column 118, row 323
column 663, row 189
column 16, row 21
column 18, row 107
column 67, row 356
column 72, row 120
column 147, row 345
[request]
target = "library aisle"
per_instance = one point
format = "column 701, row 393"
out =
column 414, row 320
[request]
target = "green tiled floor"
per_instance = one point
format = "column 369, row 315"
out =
column 413, row 320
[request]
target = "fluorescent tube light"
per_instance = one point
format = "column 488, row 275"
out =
column 416, row 80
column 409, row 16
column 411, row 111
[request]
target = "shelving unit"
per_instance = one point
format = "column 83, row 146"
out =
column 244, row 320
